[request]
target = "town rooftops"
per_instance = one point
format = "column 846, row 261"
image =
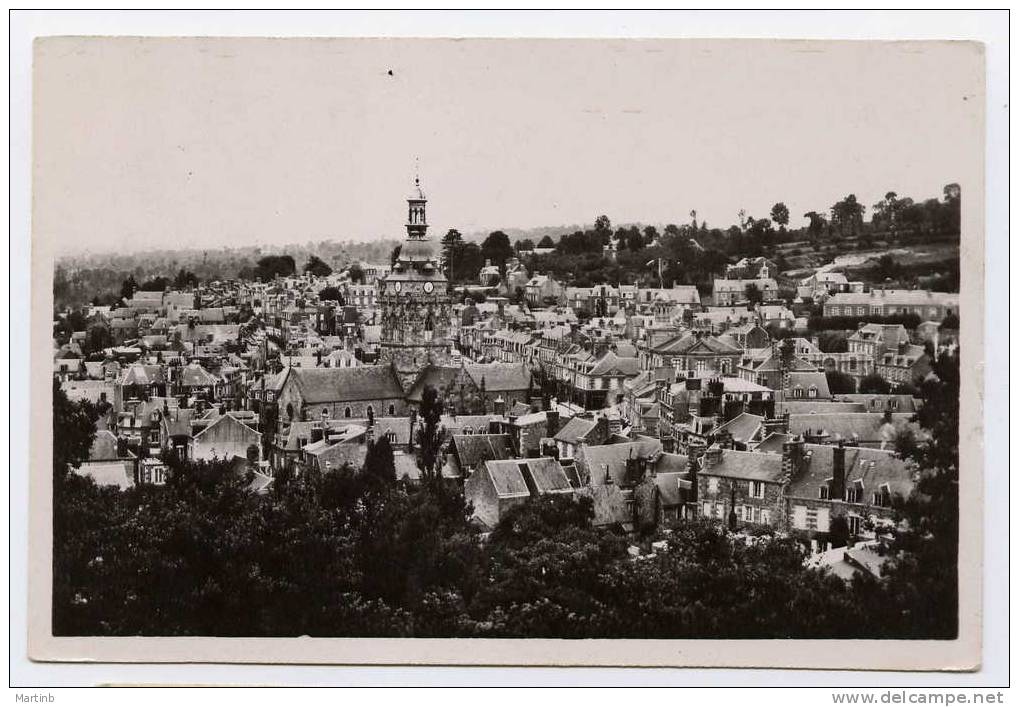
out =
column 326, row 385
column 895, row 297
column 500, row 376
column 862, row 427
column 753, row 466
column 743, row 427
column 870, row 469
column 613, row 364
column 575, row 430
column 472, row 450
column 689, row 343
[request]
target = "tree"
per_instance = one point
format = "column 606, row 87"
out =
column 918, row 591
column 467, row 263
column 378, row 463
column 330, row 294
column 185, row 279
column 840, row 383
column 497, row 249
column 650, row 235
column 272, row 266
column 156, row 284
column 317, row 267
column 74, row 426
column 847, row 216
column 780, row 215
column 874, row 384
column 634, row 240
column 128, row 288
column 430, row 435
column 817, row 224
column 603, row 227
column 753, row 295
column 524, row 245
column 451, row 245
column 355, row 273
column 546, row 242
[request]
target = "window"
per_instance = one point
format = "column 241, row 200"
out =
column 346, row 412
column 765, row 516
column 812, row 392
column 391, row 436
column 757, row 489
column 822, row 493
column 712, row 485
column 392, row 409
column 854, row 494
column 855, row 524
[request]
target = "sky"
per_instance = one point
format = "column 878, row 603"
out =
column 150, row 143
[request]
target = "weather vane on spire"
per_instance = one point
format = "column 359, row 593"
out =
column 417, row 171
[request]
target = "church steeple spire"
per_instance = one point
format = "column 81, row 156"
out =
column 417, row 222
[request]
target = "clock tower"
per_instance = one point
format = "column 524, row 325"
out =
column 413, row 301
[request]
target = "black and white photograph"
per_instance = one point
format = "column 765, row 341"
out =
column 665, row 340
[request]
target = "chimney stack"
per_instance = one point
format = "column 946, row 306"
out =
column 551, row 423
column 792, row 457
column 712, row 456
column 838, row 472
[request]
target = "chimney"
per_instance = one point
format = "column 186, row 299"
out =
column 792, row 457
column 838, row 472
column 712, row 456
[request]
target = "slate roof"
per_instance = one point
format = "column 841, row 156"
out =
column 472, row 450
column 806, row 379
column 772, row 444
column 90, row 390
column 609, row 505
column 547, row 474
column 862, row 426
column 804, row 406
column 691, row 343
column 611, row 459
column 743, row 427
column 104, row 446
column 612, row 364
column 873, row 467
column 140, row 374
column 439, row 377
column 110, row 473
column 575, row 430
column 507, row 479
column 178, row 422
column 754, row 466
column 194, row 375
column 873, row 401
column 500, row 376
column 327, row 385
column 227, row 420
column 668, row 487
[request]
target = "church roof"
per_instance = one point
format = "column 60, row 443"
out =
column 326, row 385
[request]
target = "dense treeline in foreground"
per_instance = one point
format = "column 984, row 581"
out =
column 360, row 553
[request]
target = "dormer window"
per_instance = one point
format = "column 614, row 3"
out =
column 822, row 493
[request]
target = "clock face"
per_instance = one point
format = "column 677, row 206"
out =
column 398, row 286
column 429, row 287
